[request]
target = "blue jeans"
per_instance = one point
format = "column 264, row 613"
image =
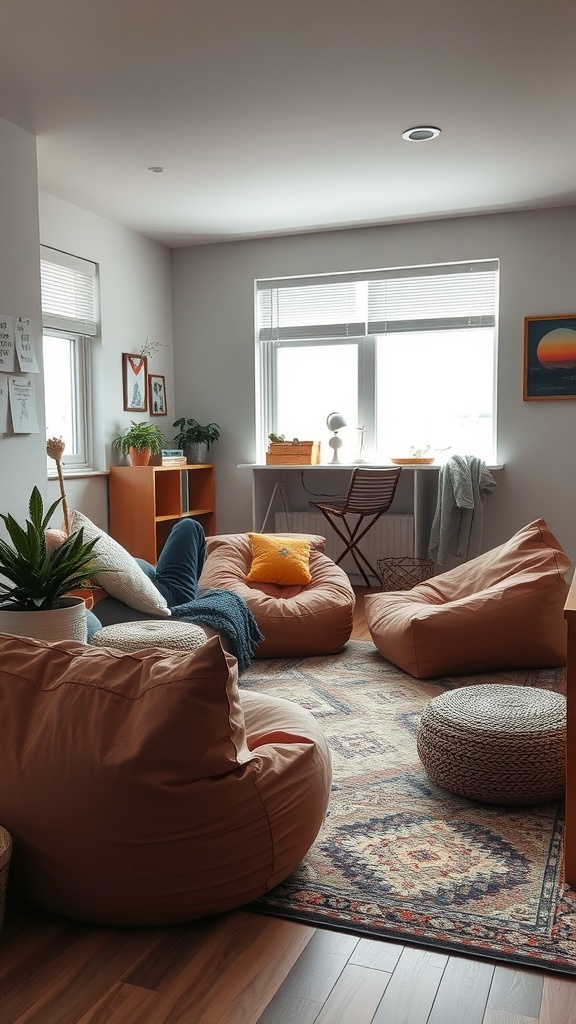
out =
column 180, row 564
column 176, row 576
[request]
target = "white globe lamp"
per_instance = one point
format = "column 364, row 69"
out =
column 335, row 421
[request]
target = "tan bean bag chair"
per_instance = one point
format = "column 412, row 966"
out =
column 501, row 610
column 143, row 788
column 296, row 620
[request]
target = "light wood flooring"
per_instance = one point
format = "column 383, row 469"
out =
column 245, row 968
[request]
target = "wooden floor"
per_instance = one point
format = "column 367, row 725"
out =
column 245, row 968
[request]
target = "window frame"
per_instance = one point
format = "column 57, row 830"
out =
column 367, row 344
column 76, row 321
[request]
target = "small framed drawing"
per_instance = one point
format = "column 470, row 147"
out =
column 157, row 394
column 134, row 378
column 549, row 357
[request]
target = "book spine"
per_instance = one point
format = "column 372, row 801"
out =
column 185, row 496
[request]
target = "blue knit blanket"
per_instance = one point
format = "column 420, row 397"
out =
column 229, row 614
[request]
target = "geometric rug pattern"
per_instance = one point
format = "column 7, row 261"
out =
column 401, row 859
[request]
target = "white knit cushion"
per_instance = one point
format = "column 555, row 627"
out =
column 134, row 636
column 128, row 582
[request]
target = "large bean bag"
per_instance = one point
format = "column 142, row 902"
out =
column 501, row 610
column 143, row 788
column 311, row 617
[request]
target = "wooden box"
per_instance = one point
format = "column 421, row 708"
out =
column 293, row 453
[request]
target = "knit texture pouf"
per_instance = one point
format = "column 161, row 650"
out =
column 134, row 636
column 496, row 744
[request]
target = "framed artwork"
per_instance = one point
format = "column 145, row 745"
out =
column 549, row 357
column 157, row 394
column 134, row 379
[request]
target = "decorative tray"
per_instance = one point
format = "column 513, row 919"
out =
column 413, row 462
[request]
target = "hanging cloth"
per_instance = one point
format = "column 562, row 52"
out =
column 464, row 481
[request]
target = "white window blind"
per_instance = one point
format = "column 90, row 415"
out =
column 69, row 292
column 447, row 297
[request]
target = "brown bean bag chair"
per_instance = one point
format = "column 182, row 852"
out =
column 501, row 610
column 143, row 788
column 297, row 620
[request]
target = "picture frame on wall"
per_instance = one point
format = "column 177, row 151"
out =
column 134, row 382
column 157, row 394
column 550, row 357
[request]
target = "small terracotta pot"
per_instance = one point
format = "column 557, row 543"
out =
column 139, row 458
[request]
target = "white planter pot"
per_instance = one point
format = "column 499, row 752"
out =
column 65, row 623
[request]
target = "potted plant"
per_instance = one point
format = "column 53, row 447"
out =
column 139, row 441
column 35, row 583
column 195, row 439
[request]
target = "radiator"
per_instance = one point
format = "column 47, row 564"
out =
column 392, row 535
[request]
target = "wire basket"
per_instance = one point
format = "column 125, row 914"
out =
column 405, row 572
column 5, row 851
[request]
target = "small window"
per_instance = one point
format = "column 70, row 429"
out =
column 69, row 318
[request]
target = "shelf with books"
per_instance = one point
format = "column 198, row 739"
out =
column 147, row 501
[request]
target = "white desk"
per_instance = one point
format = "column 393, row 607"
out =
column 272, row 486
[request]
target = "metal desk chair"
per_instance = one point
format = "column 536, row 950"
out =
column 369, row 496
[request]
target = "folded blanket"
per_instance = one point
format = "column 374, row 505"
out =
column 229, row 614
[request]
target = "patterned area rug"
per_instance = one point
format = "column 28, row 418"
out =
column 401, row 859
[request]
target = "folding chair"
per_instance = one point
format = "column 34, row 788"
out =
column 369, row 496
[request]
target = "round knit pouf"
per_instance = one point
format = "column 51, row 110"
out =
column 497, row 744
column 5, row 853
column 134, row 636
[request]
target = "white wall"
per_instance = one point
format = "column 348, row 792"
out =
column 22, row 456
column 213, row 310
column 135, row 294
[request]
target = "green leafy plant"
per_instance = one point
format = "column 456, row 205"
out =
column 39, row 579
column 276, row 438
column 192, row 432
column 142, row 437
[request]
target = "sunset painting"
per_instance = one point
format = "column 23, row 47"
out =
column 549, row 357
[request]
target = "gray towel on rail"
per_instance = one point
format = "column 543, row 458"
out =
column 456, row 534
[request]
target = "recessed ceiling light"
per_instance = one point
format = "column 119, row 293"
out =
column 156, row 170
column 421, row 134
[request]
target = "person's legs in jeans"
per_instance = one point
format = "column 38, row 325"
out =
column 180, row 563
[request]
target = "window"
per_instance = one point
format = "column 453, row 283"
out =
column 407, row 355
column 69, row 322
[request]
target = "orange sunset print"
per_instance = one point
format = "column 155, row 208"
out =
column 557, row 349
column 550, row 357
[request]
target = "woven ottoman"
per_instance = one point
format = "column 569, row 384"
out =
column 496, row 744
column 134, row 636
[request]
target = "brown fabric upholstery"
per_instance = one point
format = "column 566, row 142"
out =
column 296, row 621
column 503, row 609
column 144, row 789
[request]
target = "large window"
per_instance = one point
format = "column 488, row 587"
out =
column 69, row 323
column 407, row 355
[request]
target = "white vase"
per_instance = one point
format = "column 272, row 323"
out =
column 65, row 623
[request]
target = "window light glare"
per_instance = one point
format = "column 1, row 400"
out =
column 422, row 133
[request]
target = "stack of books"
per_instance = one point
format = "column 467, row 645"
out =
column 173, row 457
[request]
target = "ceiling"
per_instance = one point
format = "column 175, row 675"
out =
column 279, row 116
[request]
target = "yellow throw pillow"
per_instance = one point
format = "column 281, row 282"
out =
column 277, row 559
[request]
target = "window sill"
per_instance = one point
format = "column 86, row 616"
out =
column 78, row 474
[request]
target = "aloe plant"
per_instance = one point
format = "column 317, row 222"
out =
column 39, row 579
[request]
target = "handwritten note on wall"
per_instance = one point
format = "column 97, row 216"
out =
column 22, row 395
column 4, row 424
column 7, row 350
column 24, row 346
